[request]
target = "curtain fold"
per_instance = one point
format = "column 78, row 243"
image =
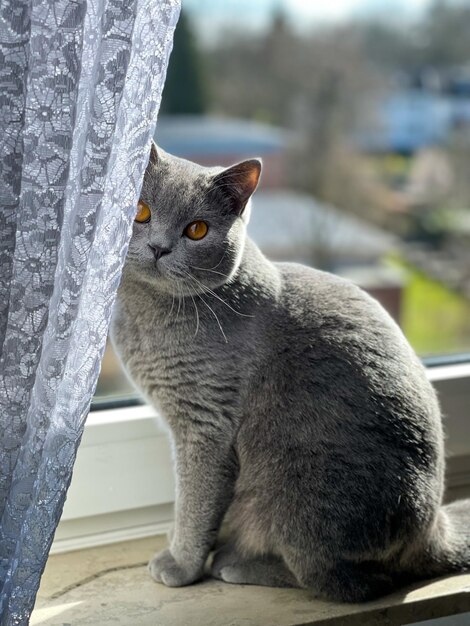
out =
column 80, row 87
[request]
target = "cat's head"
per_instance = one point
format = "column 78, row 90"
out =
column 190, row 227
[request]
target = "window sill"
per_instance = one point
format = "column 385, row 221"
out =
column 123, row 485
column 110, row 584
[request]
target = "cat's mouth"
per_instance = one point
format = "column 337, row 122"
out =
column 171, row 276
column 152, row 270
column 186, row 282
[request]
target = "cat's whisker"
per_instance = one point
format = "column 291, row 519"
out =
column 172, row 303
column 197, row 315
column 205, row 269
column 183, row 299
column 221, row 259
column 179, row 303
column 209, row 307
column 207, row 290
column 215, row 315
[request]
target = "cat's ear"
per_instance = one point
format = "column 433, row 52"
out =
column 239, row 182
column 153, row 153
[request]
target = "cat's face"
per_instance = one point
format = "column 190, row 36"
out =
column 190, row 226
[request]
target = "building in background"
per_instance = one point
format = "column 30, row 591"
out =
column 290, row 226
column 212, row 140
column 421, row 110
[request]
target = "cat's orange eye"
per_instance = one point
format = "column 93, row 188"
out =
column 143, row 213
column 196, row 230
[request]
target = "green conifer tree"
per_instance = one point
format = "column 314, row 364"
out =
column 186, row 83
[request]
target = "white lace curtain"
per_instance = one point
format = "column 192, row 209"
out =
column 80, row 87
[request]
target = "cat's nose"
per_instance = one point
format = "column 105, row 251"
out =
column 158, row 251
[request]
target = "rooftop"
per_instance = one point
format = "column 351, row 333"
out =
column 210, row 135
column 299, row 225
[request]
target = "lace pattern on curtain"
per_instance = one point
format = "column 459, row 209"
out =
column 80, row 86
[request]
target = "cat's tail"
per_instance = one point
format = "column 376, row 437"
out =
column 446, row 549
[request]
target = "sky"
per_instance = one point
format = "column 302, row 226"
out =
column 210, row 16
column 304, row 9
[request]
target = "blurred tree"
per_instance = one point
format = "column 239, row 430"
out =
column 390, row 47
column 186, row 86
column 446, row 34
column 316, row 84
column 439, row 40
column 325, row 85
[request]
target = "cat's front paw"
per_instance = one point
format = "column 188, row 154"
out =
column 165, row 569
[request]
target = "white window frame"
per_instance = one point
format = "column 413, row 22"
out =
column 123, row 486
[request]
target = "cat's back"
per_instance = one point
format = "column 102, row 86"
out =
column 337, row 318
column 344, row 407
column 340, row 350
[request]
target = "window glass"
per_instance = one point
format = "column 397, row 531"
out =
column 360, row 110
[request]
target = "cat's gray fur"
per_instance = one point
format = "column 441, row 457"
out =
column 298, row 411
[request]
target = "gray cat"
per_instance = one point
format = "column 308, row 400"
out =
column 298, row 412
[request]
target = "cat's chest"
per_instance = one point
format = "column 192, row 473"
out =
column 173, row 365
column 147, row 341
